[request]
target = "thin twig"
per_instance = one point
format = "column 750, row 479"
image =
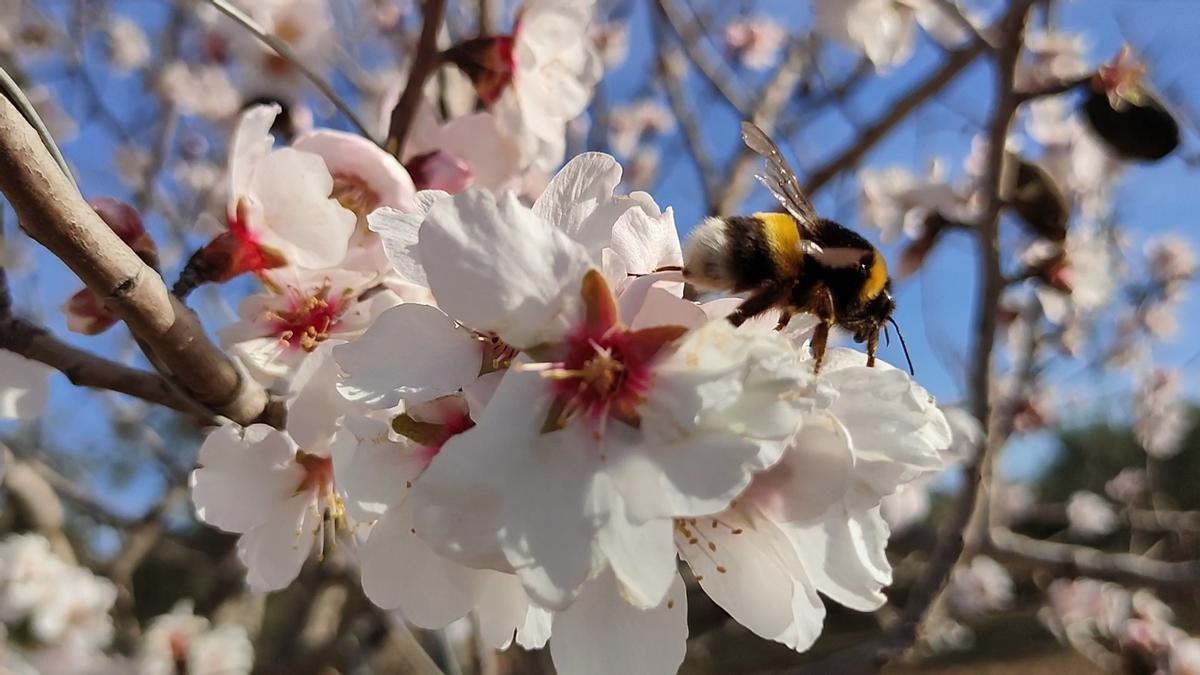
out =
column 1070, row 560
column 35, row 501
column 85, row 369
column 895, row 113
column 427, row 60
column 771, row 101
column 722, row 78
column 16, row 97
column 1053, row 88
column 673, row 71
column 285, row 52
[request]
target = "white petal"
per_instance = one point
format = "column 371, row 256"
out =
column 398, row 232
column 813, row 476
column 241, row 480
column 373, row 471
column 646, row 243
column 293, row 189
column 763, row 586
column 314, row 410
column 501, row 606
column 663, row 308
column 601, row 634
column 550, row 529
column 495, row 266
column 582, row 186
column 642, row 555
column 251, row 143
column 399, row 571
column 457, row 502
column 412, row 352
column 843, row 555
column 274, row 552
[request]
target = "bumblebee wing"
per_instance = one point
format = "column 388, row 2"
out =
column 781, row 180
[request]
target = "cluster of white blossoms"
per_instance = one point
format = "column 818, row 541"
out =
column 503, row 408
column 59, row 609
column 54, row 618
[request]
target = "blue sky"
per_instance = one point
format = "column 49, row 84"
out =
column 934, row 306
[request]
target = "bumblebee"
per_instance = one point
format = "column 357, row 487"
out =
column 794, row 261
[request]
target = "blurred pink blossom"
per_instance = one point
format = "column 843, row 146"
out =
column 755, row 41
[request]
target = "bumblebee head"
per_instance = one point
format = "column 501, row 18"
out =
column 877, row 313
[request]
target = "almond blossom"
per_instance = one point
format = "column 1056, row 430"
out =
column 64, row 606
column 467, row 151
column 300, row 311
column 897, row 202
column 1090, row 515
column 305, row 25
column 180, row 641
column 883, row 30
column 259, row 483
column 379, row 463
column 282, row 207
column 812, row 523
column 538, row 78
column 365, row 178
column 594, row 388
column 755, row 41
column 467, row 336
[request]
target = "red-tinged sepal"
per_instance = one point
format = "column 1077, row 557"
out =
column 488, row 62
column 600, row 307
column 645, row 345
column 230, row 254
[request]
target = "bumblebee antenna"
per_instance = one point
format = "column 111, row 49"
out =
column 900, row 335
column 887, row 336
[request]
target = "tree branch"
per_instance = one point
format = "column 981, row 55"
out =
column 774, row 97
column 284, row 50
column 1070, row 560
column 672, row 70
column 35, row 501
column 54, row 214
column 970, row 509
column 896, row 112
column 85, row 369
column 427, row 59
column 718, row 74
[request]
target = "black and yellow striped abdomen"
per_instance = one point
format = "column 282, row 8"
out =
column 742, row 253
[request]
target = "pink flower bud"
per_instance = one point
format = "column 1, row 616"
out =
column 439, row 170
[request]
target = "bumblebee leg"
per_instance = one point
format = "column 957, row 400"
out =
column 872, row 345
column 825, row 312
column 759, row 302
column 817, row 344
column 664, row 268
column 784, row 317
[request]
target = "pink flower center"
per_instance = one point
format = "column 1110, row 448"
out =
column 602, row 369
column 431, row 424
column 601, row 375
column 309, row 319
column 318, row 472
